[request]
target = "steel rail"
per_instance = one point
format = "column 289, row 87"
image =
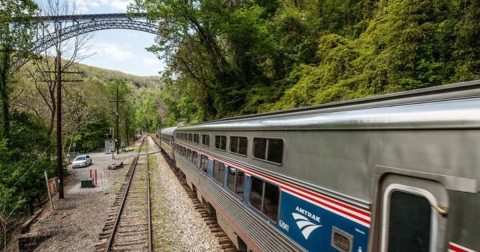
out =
column 117, row 219
column 150, row 247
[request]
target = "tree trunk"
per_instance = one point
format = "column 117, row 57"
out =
column 4, row 93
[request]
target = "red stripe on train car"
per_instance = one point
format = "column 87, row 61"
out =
column 366, row 215
column 457, row 248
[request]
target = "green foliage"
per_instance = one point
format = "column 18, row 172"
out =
column 238, row 57
column 146, row 115
column 16, row 39
column 22, row 164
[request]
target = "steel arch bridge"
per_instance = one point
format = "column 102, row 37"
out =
column 81, row 24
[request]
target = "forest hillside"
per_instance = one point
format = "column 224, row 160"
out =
column 230, row 58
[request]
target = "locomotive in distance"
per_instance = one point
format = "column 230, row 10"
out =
column 397, row 172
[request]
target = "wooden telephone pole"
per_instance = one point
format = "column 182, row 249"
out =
column 59, row 123
column 58, row 79
column 117, row 112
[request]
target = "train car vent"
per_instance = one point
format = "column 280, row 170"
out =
column 341, row 240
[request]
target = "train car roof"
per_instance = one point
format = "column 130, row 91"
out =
column 448, row 106
column 168, row 131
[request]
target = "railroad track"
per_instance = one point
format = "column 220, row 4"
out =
column 128, row 226
column 210, row 219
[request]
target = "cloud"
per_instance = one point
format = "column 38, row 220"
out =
column 116, row 53
column 111, row 51
column 84, row 5
column 150, row 62
column 119, row 5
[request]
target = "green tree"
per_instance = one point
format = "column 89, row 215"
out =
column 16, row 33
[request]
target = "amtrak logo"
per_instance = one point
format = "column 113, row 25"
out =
column 304, row 223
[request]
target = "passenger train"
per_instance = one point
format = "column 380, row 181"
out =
column 397, row 172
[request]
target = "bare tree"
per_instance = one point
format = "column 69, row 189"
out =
column 43, row 69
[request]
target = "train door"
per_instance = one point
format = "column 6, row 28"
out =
column 413, row 214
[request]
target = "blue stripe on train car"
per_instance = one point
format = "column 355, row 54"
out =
column 312, row 226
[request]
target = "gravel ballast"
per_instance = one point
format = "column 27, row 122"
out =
column 76, row 221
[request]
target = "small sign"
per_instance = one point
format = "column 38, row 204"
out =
column 74, row 144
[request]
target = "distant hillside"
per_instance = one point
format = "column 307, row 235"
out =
column 107, row 75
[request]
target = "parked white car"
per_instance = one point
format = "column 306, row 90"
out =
column 82, row 161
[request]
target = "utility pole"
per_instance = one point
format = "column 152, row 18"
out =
column 126, row 129
column 117, row 144
column 59, row 123
column 58, row 79
column 126, row 123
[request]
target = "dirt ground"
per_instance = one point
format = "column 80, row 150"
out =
column 77, row 220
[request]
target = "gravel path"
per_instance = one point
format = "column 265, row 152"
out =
column 76, row 221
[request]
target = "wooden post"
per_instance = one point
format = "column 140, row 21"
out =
column 48, row 190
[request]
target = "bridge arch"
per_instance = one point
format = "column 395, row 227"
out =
column 81, row 24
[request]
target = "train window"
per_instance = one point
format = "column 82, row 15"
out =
column 219, row 171
column 221, row 142
column 236, row 181
column 270, row 203
column 203, row 163
column 242, row 145
column 190, row 137
column 268, row 149
column 413, row 214
column 238, row 145
column 256, row 193
column 234, row 144
column 240, row 183
column 403, row 233
column 195, row 138
column 206, row 140
column 275, row 150
column 232, row 173
column 259, row 148
column 265, row 197
column 194, row 158
column 189, row 154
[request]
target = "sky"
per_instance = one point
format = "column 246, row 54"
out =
column 122, row 50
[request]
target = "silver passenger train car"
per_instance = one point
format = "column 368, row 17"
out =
column 397, row 172
column 167, row 141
